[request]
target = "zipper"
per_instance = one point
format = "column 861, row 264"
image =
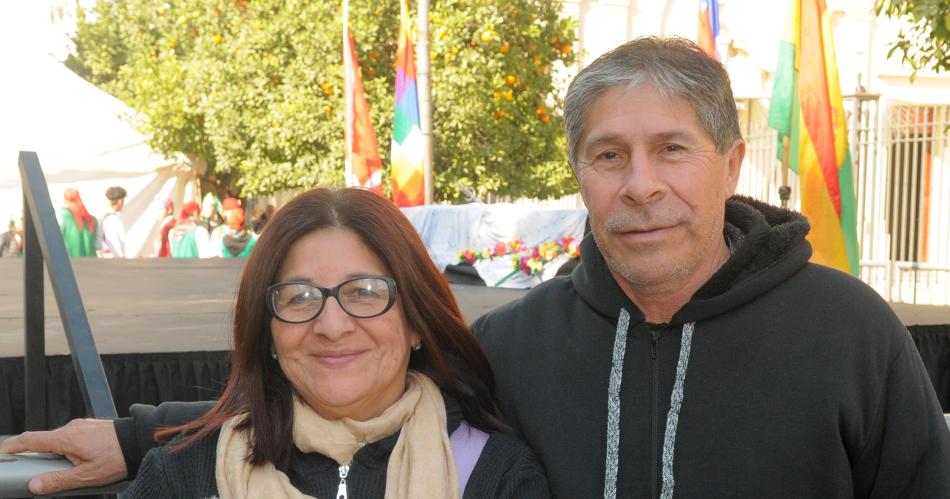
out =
column 341, row 490
column 655, row 462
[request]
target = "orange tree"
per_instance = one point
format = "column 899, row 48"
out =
column 924, row 38
column 255, row 87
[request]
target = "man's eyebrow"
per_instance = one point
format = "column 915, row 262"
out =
column 674, row 135
column 677, row 135
column 602, row 139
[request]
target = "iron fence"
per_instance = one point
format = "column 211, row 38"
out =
column 901, row 162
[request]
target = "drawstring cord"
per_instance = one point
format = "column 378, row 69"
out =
column 613, row 405
column 613, row 408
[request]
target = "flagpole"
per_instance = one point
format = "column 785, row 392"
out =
column 347, row 138
column 785, row 191
column 424, row 85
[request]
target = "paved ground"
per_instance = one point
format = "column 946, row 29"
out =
column 159, row 305
column 184, row 305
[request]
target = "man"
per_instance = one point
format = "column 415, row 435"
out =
column 695, row 352
column 112, row 244
column 11, row 242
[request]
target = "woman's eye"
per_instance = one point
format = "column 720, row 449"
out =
column 303, row 297
column 363, row 293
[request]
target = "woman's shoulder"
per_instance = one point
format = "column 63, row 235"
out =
column 509, row 448
column 507, row 467
column 176, row 470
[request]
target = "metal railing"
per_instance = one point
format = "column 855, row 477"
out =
column 43, row 243
column 901, row 165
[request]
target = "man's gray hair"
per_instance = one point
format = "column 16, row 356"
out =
column 674, row 66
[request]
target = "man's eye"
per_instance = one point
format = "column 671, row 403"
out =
column 607, row 158
column 673, row 148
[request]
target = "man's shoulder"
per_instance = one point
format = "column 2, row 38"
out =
column 514, row 323
column 844, row 304
column 544, row 297
column 831, row 286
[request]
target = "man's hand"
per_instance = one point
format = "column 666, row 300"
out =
column 90, row 444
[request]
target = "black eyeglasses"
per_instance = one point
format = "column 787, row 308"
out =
column 362, row 297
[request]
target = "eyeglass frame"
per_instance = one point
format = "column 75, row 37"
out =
column 328, row 293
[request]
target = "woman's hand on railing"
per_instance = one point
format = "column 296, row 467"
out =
column 91, row 445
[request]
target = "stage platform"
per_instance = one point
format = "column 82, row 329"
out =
column 162, row 328
column 160, row 305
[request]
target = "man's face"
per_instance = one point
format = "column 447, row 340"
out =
column 654, row 185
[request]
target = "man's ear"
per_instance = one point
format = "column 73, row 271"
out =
column 735, row 155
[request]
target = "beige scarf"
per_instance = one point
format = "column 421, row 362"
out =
column 421, row 464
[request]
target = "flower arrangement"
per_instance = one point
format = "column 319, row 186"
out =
column 530, row 260
column 534, row 261
column 470, row 256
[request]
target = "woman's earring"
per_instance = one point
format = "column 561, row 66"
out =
column 417, row 347
column 273, row 353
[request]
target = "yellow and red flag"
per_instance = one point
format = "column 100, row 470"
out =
column 363, row 165
column 806, row 107
column 408, row 152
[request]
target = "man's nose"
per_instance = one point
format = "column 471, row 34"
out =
column 643, row 183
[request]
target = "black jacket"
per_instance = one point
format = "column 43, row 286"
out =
column 798, row 381
column 505, row 469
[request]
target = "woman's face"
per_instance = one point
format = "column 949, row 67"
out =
column 342, row 366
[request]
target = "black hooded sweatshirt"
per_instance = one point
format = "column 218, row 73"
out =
column 779, row 378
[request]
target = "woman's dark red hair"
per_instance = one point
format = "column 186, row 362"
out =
column 451, row 355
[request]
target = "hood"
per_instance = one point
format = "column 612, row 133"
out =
column 235, row 242
column 771, row 247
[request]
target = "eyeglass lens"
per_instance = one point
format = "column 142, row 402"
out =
column 362, row 297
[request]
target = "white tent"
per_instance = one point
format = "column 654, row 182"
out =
column 82, row 137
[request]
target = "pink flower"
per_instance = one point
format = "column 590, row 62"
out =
column 499, row 249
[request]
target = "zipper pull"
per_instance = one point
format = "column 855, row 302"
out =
column 341, row 490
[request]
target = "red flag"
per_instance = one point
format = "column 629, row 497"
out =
column 362, row 160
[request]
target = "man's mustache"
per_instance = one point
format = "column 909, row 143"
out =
column 638, row 221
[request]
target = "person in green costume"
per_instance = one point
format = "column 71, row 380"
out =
column 237, row 240
column 78, row 226
column 188, row 239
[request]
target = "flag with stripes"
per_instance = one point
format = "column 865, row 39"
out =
column 708, row 27
column 806, row 107
column 408, row 155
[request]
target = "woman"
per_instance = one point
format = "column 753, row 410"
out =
column 77, row 225
column 352, row 365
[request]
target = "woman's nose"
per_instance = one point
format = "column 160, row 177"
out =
column 333, row 322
